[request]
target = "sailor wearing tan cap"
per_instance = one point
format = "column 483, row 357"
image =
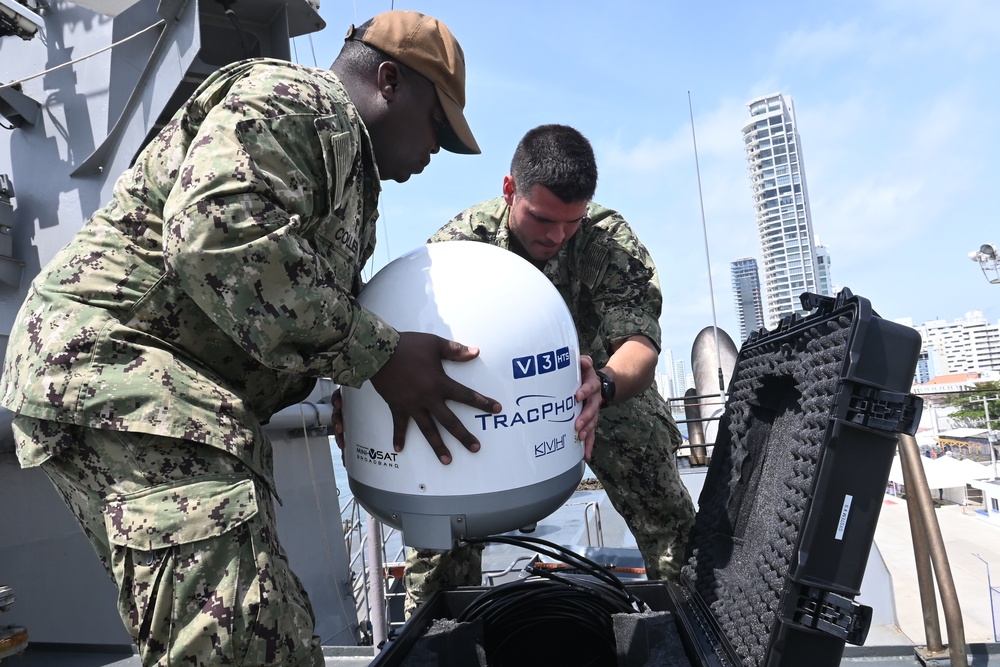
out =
column 208, row 294
column 426, row 46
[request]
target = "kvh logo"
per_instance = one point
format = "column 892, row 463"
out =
column 550, row 446
column 531, row 408
column 375, row 456
column 539, row 364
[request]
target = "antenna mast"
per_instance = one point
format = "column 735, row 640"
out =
column 708, row 261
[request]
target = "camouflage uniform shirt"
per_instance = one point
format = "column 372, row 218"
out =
column 603, row 273
column 610, row 284
column 219, row 282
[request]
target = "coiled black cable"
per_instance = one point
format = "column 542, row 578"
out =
column 571, row 558
column 552, row 618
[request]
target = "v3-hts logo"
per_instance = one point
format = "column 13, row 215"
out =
column 539, row 364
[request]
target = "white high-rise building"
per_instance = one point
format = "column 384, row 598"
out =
column 926, row 360
column 824, row 280
column 781, row 203
column 962, row 345
column 682, row 379
column 925, row 367
column 746, row 293
column 665, row 378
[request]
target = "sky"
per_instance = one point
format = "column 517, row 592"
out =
column 898, row 111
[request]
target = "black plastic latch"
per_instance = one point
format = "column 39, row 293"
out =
column 833, row 614
column 817, row 302
column 884, row 410
column 825, row 304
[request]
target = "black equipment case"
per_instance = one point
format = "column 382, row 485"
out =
column 792, row 496
column 788, row 510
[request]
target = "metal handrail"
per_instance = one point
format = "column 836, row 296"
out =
column 695, row 397
column 598, row 528
column 928, row 550
column 494, row 574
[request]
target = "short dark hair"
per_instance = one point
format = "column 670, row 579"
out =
column 363, row 60
column 558, row 158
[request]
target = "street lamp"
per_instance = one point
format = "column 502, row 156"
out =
column 988, row 259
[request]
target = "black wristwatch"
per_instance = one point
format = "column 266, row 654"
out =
column 607, row 389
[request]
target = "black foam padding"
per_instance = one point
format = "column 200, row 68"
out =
column 760, row 484
column 448, row 643
column 649, row 639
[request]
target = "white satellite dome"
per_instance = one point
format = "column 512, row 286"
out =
column 530, row 461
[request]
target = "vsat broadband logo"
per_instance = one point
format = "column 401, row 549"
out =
column 375, row 457
column 539, row 364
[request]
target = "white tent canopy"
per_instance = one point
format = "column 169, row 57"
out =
column 944, row 472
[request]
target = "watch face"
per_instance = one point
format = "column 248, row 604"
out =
column 607, row 388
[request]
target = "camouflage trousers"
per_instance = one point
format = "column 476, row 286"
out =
column 187, row 533
column 634, row 459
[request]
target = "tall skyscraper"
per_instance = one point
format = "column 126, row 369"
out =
column 781, row 202
column 824, row 280
column 925, row 367
column 746, row 293
column 665, row 378
column 683, row 380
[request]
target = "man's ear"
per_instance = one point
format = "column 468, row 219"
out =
column 388, row 79
column 508, row 189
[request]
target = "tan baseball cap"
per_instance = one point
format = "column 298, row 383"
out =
column 425, row 45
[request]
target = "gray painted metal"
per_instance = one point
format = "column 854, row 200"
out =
column 713, row 359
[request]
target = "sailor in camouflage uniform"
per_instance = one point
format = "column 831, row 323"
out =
column 211, row 292
column 609, row 282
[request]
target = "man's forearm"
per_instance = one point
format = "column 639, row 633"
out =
column 632, row 366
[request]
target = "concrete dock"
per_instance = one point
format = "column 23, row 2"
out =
column 971, row 541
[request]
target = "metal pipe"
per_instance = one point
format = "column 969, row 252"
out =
column 687, row 397
column 376, row 582
column 303, row 415
column 496, row 574
column 922, row 556
column 696, row 432
column 699, row 421
column 910, row 456
column 598, row 529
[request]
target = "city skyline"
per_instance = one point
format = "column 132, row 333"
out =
column 899, row 132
